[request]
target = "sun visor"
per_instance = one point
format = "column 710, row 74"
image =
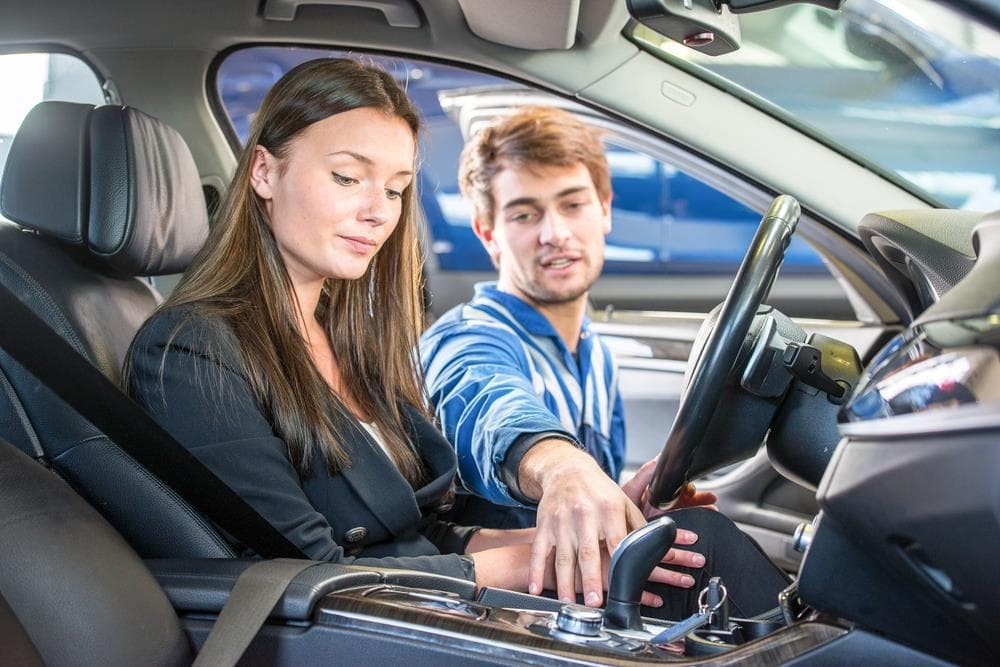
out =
column 524, row 24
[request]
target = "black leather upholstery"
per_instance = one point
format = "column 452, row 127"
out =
column 100, row 196
column 111, row 179
column 44, row 179
column 79, row 592
column 19, row 650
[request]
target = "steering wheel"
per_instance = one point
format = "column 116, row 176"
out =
column 716, row 359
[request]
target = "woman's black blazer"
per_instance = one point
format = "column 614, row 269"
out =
column 187, row 373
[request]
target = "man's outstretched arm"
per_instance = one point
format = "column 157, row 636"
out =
column 479, row 383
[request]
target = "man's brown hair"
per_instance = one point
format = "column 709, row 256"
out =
column 533, row 136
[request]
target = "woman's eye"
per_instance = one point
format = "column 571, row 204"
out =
column 344, row 180
column 393, row 194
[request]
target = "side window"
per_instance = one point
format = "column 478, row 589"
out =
column 29, row 78
column 665, row 222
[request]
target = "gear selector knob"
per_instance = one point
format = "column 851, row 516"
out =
column 630, row 567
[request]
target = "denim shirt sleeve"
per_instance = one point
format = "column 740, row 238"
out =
column 478, row 380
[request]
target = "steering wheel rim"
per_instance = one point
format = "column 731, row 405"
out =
column 715, row 362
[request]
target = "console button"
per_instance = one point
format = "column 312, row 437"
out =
column 578, row 620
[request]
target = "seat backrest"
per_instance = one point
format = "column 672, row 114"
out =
column 101, row 198
column 72, row 592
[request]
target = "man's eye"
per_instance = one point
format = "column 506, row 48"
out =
column 521, row 217
column 344, row 180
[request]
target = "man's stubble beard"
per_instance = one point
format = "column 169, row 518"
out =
column 539, row 294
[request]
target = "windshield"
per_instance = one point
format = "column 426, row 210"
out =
column 910, row 86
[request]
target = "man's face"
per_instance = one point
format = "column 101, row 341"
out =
column 547, row 233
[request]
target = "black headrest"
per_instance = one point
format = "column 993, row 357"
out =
column 111, row 179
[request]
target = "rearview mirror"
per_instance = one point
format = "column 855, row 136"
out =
column 707, row 26
column 697, row 24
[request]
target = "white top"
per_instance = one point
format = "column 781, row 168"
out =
column 376, row 435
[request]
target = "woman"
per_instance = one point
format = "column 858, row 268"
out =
column 283, row 359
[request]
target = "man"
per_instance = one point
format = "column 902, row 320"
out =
column 524, row 388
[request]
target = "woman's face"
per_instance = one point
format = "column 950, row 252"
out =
column 336, row 196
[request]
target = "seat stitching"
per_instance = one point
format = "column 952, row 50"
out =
column 210, row 529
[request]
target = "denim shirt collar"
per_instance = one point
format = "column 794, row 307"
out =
column 527, row 316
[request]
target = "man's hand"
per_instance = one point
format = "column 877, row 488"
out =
column 637, row 489
column 581, row 514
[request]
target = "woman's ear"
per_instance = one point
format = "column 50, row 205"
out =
column 263, row 170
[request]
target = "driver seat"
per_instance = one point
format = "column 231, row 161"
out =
column 72, row 592
column 101, row 197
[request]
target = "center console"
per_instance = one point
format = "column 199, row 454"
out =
column 380, row 616
column 479, row 632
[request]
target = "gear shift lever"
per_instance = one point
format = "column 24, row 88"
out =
column 631, row 564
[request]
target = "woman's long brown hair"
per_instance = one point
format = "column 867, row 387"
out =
column 373, row 322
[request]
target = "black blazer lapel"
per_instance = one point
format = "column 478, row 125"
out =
column 438, row 456
column 378, row 483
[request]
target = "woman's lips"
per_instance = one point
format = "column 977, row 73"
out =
column 359, row 244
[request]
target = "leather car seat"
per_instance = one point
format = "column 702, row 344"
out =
column 101, row 198
column 72, row 592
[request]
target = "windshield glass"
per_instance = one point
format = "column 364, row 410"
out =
column 910, row 86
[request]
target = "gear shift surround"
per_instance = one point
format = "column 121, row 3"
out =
column 631, row 564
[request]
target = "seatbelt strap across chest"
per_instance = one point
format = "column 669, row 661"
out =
column 46, row 355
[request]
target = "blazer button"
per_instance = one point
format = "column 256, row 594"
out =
column 356, row 534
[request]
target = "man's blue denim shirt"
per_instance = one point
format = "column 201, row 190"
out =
column 497, row 372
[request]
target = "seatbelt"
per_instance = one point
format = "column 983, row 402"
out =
column 37, row 452
column 53, row 361
column 250, row 602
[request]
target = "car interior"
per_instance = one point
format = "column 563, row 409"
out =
column 876, row 487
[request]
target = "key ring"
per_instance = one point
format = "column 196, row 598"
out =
column 702, row 607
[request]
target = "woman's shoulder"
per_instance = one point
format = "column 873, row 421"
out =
column 190, row 326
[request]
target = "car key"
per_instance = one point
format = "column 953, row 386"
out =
column 682, row 628
column 699, row 619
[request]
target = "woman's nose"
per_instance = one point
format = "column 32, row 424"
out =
column 376, row 207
